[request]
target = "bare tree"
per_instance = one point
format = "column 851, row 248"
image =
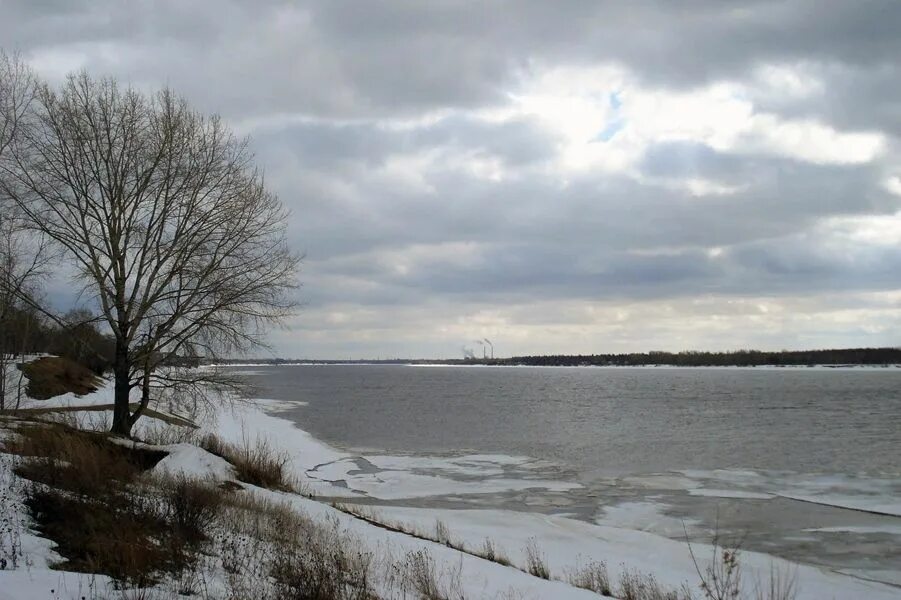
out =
column 166, row 220
column 24, row 259
column 23, row 256
column 17, row 90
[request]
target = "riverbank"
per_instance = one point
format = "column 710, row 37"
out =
column 460, row 539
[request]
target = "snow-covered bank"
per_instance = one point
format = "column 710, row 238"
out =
column 331, row 472
column 567, row 542
column 27, row 557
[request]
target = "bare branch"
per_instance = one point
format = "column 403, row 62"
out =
column 163, row 214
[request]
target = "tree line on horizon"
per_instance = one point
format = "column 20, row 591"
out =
column 734, row 358
column 685, row 358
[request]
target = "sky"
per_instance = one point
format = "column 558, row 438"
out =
column 558, row 177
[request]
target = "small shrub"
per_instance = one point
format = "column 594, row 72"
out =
column 420, row 575
column 442, row 533
column 780, row 585
column 489, row 551
column 321, row 571
column 641, row 586
column 593, row 577
column 77, row 461
column 256, row 462
column 536, row 562
column 721, row 579
column 191, row 506
column 272, row 551
column 158, row 433
column 121, row 539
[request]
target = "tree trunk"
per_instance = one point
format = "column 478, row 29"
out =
column 145, row 397
column 121, row 417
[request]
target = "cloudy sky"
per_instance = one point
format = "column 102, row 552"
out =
column 567, row 176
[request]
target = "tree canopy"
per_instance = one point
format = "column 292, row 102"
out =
column 164, row 217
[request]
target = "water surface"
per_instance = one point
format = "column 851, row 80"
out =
column 797, row 461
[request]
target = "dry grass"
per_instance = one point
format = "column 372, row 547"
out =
column 442, row 533
column 536, row 562
column 420, row 575
column 157, row 433
column 780, row 585
column 490, row 551
column 53, row 376
column 593, row 577
column 642, row 586
column 256, row 461
column 77, row 461
column 191, row 506
column 83, row 497
column 272, row 552
column 122, row 536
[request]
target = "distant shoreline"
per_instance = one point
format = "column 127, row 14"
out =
column 322, row 363
column 828, row 358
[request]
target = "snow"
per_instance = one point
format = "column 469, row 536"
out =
column 566, row 543
column 478, row 578
column 616, row 539
column 392, row 479
column 331, row 472
column 189, row 460
column 873, row 505
column 886, row 529
column 44, row 582
column 645, row 516
column 729, row 494
column 31, row 576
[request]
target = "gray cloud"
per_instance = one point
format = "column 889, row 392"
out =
column 391, row 130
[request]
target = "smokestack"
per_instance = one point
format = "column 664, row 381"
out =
column 487, row 341
column 484, row 350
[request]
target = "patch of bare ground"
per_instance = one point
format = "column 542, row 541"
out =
column 54, row 376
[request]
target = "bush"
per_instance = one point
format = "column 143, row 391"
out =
column 641, row 586
column 272, row 552
column 78, row 461
column 80, row 497
column 256, row 462
column 489, row 551
column 593, row 577
column 191, row 506
column 121, row 536
column 420, row 575
column 536, row 563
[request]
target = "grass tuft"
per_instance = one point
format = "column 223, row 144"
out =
column 492, row 552
column 256, row 461
column 642, row 586
column 593, row 577
column 536, row 562
column 78, row 461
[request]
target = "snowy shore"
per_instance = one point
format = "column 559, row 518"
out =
column 328, row 472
